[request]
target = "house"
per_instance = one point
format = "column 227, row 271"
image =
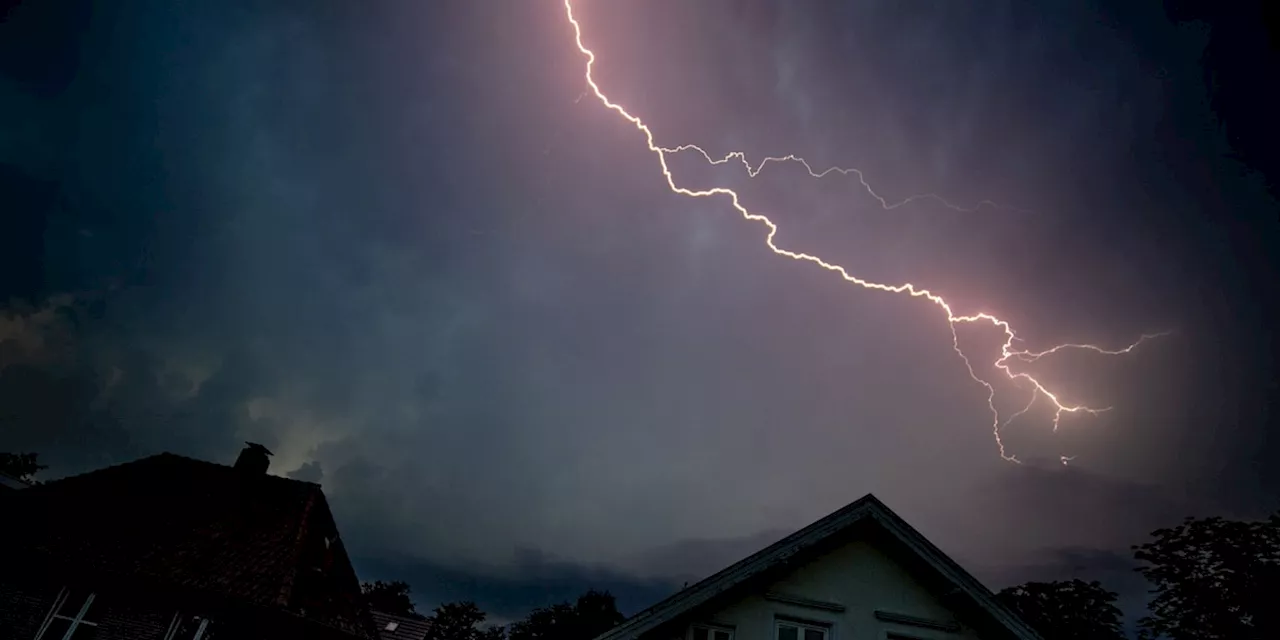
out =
column 861, row 573
column 10, row 483
column 393, row 627
column 172, row 548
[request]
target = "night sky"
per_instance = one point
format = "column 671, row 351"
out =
column 397, row 244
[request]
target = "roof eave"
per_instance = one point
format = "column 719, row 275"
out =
column 708, row 588
column 867, row 507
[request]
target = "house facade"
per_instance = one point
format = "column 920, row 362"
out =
column 172, row 548
column 861, row 573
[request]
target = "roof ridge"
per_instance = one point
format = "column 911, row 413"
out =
column 158, row 456
column 769, row 551
column 960, row 575
column 866, row 507
column 100, row 470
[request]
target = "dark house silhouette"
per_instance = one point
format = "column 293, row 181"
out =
column 9, row 483
column 171, row 548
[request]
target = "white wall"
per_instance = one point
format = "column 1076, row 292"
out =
column 857, row 576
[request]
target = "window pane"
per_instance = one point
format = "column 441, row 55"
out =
column 85, row 632
column 209, row 631
column 56, row 629
column 788, row 632
column 699, row 633
column 723, row 635
column 71, row 606
column 815, row 634
column 189, row 629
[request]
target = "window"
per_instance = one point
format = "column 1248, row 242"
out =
column 69, row 618
column 188, row 627
column 788, row 630
column 707, row 632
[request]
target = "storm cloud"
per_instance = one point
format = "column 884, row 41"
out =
column 395, row 244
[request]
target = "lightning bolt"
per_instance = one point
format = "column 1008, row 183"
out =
column 1032, row 356
column 862, row 179
column 1007, row 350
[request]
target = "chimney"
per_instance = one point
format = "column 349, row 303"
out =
column 254, row 459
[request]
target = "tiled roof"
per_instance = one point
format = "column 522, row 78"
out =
column 10, row 483
column 403, row 629
column 185, row 523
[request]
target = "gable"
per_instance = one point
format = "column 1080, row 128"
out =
column 878, row 545
column 856, row 591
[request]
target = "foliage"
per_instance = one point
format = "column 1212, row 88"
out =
column 594, row 613
column 1213, row 579
column 1067, row 610
column 493, row 633
column 461, row 621
column 23, row 466
column 389, row 597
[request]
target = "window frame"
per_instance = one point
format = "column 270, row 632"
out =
column 711, row 629
column 801, row 625
column 75, row 621
column 178, row 618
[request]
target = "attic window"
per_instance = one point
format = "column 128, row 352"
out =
column 69, row 618
column 391, row 626
column 788, row 630
column 189, row 627
column 707, row 632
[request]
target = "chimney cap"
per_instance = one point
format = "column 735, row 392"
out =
column 257, row 448
column 253, row 459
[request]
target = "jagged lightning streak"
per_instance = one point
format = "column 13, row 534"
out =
column 862, row 179
column 1032, row 356
column 1007, row 350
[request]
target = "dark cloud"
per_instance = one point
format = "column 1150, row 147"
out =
column 386, row 242
column 692, row 560
column 308, row 472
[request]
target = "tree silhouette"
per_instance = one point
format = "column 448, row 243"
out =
column 1213, row 579
column 23, row 466
column 1066, row 610
column 597, row 612
column 493, row 633
column 594, row 613
column 461, row 621
column 545, row 623
column 389, row 597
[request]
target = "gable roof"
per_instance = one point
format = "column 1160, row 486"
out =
column 191, row 526
column 405, row 628
column 804, row 544
column 10, row 483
